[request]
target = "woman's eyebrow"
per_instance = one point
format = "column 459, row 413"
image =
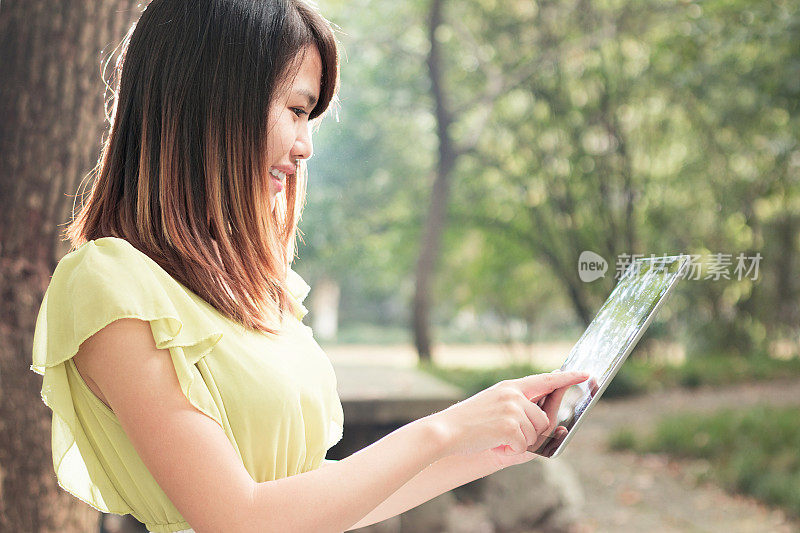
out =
column 311, row 97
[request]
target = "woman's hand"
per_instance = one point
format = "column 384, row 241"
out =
column 505, row 419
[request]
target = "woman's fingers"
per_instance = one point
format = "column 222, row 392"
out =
column 539, row 419
column 520, row 444
column 534, row 427
column 538, row 385
column 540, row 422
column 553, row 402
column 531, row 422
column 528, row 430
column 546, row 446
column 503, row 414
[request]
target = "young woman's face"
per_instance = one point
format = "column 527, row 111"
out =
column 289, row 137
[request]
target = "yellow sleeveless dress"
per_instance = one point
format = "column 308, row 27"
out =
column 274, row 395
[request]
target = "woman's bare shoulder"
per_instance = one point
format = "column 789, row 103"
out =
column 94, row 351
column 175, row 440
column 95, row 359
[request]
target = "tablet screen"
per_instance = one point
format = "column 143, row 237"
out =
column 611, row 336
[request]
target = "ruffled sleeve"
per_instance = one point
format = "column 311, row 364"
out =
column 298, row 290
column 102, row 281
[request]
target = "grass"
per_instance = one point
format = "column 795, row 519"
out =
column 637, row 376
column 755, row 451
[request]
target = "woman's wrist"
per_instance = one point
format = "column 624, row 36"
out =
column 492, row 461
column 436, row 435
column 443, row 441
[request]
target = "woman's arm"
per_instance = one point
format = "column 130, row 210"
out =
column 471, row 445
column 455, row 470
column 338, row 496
column 197, row 467
column 443, row 475
column 194, row 463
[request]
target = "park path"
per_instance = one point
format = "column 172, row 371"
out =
column 624, row 491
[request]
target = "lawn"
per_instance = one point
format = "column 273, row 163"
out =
column 754, row 451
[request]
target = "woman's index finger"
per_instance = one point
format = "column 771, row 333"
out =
column 539, row 384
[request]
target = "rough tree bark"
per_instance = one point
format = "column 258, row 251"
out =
column 51, row 119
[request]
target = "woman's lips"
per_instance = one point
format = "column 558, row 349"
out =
column 278, row 184
column 279, row 178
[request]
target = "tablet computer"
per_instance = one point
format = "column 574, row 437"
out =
column 611, row 336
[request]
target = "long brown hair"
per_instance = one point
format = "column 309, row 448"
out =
column 183, row 172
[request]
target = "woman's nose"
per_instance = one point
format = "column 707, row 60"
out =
column 303, row 147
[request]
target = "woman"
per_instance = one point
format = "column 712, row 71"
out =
column 185, row 389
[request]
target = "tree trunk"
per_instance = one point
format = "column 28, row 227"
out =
column 434, row 226
column 786, row 306
column 51, row 119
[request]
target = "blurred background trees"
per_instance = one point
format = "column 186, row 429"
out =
column 617, row 127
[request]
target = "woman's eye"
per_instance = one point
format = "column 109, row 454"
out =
column 299, row 111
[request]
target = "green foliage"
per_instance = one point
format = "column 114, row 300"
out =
column 629, row 381
column 361, row 223
column 752, row 451
column 638, row 376
column 627, row 127
column 716, row 370
column 623, row 439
